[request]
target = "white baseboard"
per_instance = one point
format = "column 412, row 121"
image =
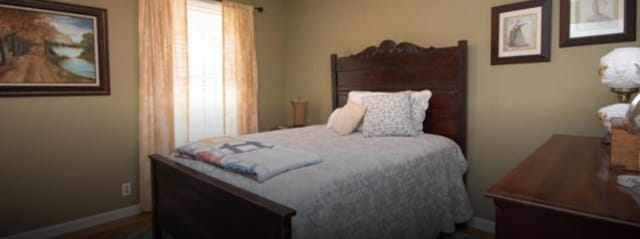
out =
column 482, row 224
column 78, row 224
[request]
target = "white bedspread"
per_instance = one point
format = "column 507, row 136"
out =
column 386, row 187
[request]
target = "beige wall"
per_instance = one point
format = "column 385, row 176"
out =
column 512, row 108
column 63, row 158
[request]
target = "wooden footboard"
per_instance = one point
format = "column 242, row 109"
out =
column 189, row 204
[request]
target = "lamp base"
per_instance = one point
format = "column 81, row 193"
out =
column 624, row 94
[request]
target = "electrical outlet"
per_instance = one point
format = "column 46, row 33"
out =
column 126, row 189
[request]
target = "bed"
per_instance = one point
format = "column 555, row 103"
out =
column 188, row 203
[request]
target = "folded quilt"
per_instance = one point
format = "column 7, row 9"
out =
column 249, row 158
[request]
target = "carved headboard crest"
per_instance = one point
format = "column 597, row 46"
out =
column 389, row 47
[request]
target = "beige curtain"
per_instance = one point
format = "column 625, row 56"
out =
column 240, row 69
column 161, row 27
column 163, row 116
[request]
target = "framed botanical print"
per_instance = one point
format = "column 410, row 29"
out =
column 585, row 22
column 50, row 48
column 521, row 32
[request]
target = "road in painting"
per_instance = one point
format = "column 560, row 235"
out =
column 39, row 48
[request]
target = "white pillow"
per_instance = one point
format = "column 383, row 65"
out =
column 332, row 117
column 388, row 115
column 356, row 96
column 419, row 104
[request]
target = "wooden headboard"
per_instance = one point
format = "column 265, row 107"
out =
column 405, row 66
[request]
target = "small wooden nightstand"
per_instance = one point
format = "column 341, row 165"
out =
column 565, row 189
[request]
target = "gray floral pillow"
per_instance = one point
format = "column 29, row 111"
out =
column 388, row 115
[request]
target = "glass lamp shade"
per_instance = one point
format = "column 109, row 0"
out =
column 620, row 68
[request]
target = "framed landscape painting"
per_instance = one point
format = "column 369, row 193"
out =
column 585, row 22
column 50, row 48
column 521, row 32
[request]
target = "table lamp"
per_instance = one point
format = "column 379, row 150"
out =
column 299, row 112
column 619, row 70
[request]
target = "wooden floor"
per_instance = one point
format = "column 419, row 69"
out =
column 139, row 222
column 113, row 229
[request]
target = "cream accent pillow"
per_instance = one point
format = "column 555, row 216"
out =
column 332, row 117
column 348, row 118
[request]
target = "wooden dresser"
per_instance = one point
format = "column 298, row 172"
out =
column 565, row 189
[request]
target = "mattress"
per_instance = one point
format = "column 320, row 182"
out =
column 380, row 187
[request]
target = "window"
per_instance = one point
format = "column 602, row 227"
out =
column 205, row 105
column 213, row 96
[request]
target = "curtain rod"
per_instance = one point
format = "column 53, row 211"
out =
column 258, row 9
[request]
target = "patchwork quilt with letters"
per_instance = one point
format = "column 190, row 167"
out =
column 250, row 158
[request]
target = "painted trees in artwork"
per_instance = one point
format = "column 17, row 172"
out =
column 6, row 28
column 22, row 31
column 3, row 31
column 88, row 47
